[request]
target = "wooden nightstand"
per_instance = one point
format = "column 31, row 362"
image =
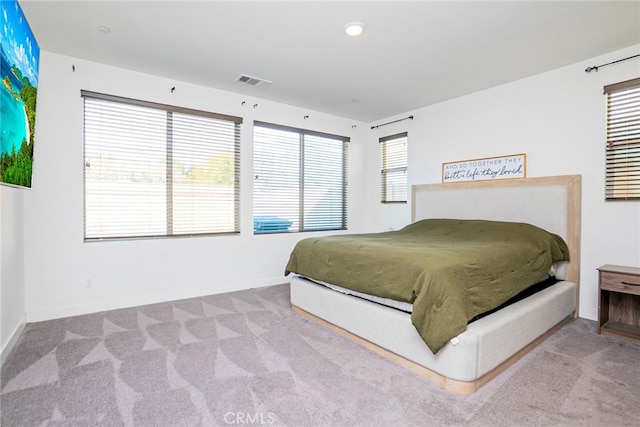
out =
column 619, row 301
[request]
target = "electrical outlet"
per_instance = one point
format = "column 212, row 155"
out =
column 88, row 283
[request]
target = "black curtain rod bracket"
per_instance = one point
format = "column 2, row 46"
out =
column 395, row 121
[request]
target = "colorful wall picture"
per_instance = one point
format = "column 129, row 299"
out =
column 20, row 59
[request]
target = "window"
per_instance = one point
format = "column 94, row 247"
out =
column 300, row 180
column 157, row 170
column 623, row 141
column 393, row 168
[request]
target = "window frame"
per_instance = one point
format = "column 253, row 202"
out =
column 302, row 133
column 170, row 110
column 622, row 151
column 386, row 172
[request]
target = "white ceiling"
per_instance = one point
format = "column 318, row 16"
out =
column 412, row 54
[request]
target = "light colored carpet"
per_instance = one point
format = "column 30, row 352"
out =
column 244, row 358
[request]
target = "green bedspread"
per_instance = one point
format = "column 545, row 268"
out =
column 450, row 270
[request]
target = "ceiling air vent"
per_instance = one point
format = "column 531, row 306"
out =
column 252, row 81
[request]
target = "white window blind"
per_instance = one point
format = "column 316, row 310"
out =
column 393, row 168
column 623, row 141
column 158, row 170
column 299, row 180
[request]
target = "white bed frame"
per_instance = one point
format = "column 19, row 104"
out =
column 495, row 342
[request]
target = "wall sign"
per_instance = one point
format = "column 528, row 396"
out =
column 512, row 166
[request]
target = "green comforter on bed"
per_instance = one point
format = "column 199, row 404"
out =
column 450, row 270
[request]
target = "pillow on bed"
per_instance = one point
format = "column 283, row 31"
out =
column 559, row 270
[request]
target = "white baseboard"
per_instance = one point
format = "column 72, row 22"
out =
column 6, row 349
column 77, row 310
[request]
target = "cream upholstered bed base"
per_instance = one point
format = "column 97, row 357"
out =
column 461, row 368
column 493, row 343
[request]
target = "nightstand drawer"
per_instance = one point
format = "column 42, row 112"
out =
column 620, row 282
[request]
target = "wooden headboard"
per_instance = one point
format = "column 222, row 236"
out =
column 552, row 203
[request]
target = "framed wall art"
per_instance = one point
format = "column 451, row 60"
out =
column 487, row 168
column 19, row 74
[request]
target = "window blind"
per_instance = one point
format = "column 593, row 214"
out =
column 158, row 170
column 393, row 168
column 300, row 180
column 623, row 141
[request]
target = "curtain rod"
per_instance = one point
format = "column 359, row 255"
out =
column 595, row 67
column 395, row 121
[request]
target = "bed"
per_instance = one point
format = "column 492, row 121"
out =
column 490, row 344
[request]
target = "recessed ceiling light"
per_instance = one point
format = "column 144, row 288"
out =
column 103, row 29
column 354, row 29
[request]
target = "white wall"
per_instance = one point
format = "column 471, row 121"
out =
column 12, row 295
column 558, row 120
column 134, row 272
